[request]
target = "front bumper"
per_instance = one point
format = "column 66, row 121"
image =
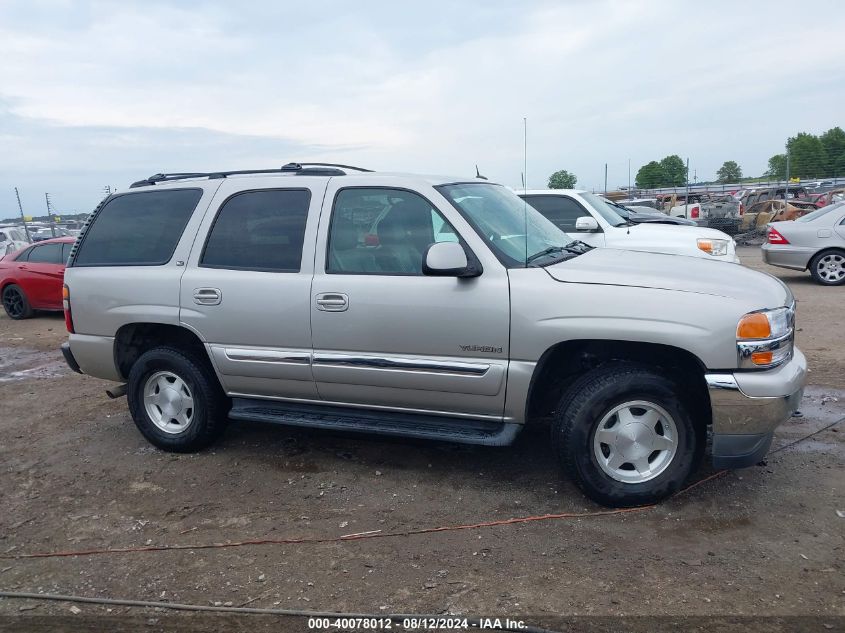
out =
column 748, row 406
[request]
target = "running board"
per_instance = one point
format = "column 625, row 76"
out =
column 426, row 427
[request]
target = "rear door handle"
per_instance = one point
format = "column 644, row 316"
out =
column 207, row 296
column 332, row 301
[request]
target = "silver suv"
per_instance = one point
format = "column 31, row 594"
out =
column 333, row 297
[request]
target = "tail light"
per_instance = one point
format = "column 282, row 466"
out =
column 774, row 237
column 66, row 306
column 741, row 208
column 694, row 212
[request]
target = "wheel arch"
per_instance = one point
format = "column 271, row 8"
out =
column 133, row 339
column 563, row 363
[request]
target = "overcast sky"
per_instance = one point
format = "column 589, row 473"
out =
column 103, row 93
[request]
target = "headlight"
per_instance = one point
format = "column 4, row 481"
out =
column 713, row 247
column 765, row 338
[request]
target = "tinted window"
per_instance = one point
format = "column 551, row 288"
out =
column 383, row 231
column 138, row 228
column 560, row 210
column 259, row 230
column 46, row 254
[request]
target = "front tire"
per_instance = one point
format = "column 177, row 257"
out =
column 828, row 268
column 15, row 303
column 176, row 401
column 625, row 437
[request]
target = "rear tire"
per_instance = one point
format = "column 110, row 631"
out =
column 624, row 436
column 176, row 401
column 828, row 267
column 16, row 303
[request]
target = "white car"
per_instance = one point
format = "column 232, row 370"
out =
column 592, row 220
column 12, row 239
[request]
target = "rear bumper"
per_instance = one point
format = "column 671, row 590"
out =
column 787, row 256
column 748, row 406
column 69, row 359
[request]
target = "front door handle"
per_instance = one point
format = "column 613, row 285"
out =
column 332, row 301
column 207, row 296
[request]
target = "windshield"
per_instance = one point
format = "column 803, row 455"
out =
column 607, row 211
column 815, row 215
column 500, row 217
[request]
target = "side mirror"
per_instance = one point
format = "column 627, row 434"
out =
column 586, row 224
column 447, row 259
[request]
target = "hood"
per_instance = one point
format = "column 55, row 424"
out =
column 652, row 231
column 637, row 269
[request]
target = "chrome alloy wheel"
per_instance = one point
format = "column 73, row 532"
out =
column 635, row 442
column 169, row 402
column 831, row 267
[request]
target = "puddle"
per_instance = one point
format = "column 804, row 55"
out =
column 19, row 364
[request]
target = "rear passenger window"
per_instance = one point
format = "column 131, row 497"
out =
column 46, row 254
column 259, row 230
column 138, row 229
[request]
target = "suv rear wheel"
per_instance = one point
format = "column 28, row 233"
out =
column 175, row 400
column 625, row 437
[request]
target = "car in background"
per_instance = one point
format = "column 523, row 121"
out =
column 814, row 242
column 594, row 221
column 12, row 239
column 639, row 215
column 31, row 279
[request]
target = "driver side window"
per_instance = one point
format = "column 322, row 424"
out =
column 383, row 232
column 559, row 210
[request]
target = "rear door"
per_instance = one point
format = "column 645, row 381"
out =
column 247, row 283
column 41, row 275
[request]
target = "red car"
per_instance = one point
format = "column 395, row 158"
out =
column 31, row 279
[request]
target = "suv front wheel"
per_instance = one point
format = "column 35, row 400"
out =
column 625, row 437
column 175, row 400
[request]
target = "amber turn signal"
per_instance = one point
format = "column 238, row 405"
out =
column 755, row 325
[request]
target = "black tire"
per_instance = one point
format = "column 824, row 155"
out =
column 209, row 414
column 816, row 263
column 16, row 303
column 594, row 396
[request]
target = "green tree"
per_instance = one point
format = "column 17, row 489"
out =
column 807, row 156
column 650, row 176
column 777, row 166
column 834, row 146
column 674, row 171
column 730, row 171
column 562, row 180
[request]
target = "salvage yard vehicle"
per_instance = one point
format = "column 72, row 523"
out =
column 31, row 279
column 12, row 239
column 814, row 242
column 258, row 296
column 597, row 222
column 722, row 212
column 639, row 215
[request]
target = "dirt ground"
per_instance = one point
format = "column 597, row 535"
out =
column 76, row 475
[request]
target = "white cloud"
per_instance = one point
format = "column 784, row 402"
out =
column 398, row 86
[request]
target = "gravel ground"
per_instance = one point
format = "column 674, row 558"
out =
column 76, row 475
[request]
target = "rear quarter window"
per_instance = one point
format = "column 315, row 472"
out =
column 137, row 229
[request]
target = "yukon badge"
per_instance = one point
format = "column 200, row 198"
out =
column 490, row 349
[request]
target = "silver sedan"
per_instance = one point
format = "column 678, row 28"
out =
column 815, row 241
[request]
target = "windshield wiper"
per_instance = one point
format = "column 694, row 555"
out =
column 573, row 249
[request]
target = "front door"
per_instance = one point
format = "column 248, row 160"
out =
column 563, row 212
column 247, row 285
column 387, row 336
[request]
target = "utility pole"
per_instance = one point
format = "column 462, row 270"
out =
column 786, row 187
column 50, row 215
column 605, row 179
column 23, row 217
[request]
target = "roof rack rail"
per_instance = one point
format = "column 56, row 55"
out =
column 301, row 169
